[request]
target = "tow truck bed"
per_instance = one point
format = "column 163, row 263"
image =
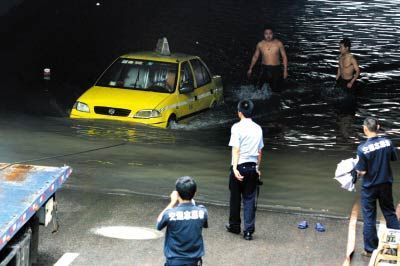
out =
column 23, row 190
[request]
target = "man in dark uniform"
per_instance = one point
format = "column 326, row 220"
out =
column 374, row 156
column 183, row 244
column 246, row 142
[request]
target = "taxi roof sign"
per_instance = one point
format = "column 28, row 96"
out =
column 163, row 46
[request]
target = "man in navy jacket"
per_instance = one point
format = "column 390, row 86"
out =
column 374, row 156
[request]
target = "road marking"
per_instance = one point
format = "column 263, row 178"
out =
column 66, row 259
column 128, row 232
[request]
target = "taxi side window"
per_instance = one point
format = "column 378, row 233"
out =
column 186, row 75
column 200, row 72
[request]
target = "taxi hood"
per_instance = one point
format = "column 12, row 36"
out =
column 123, row 98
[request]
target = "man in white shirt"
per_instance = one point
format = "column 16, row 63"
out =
column 247, row 143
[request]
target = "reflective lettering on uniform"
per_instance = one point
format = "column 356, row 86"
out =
column 186, row 215
column 371, row 147
column 179, row 215
column 172, row 216
column 382, row 144
column 376, row 146
column 195, row 214
column 365, row 150
column 201, row 214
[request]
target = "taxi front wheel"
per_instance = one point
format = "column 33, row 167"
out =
column 172, row 121
column 213, row 105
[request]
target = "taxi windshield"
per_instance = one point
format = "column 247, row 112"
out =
column 140, row 75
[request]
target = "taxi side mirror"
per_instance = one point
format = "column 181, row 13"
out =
column 186, row 88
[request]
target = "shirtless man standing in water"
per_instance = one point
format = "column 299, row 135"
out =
column 347, row 74
column 271, row 71
column 348, row 70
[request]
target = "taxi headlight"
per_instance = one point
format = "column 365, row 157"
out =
column 147, row 114
column 82, row 107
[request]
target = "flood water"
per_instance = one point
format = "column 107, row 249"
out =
column 303, row 143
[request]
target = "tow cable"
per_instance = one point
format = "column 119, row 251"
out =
column 62, row 155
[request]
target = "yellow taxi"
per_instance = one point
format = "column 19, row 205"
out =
column 155, row 88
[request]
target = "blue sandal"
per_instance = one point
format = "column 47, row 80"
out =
column 302, row 225
column 320, row 227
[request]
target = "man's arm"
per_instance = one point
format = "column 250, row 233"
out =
column 254, row 59
column 361, row 173
column 235, row 160
column 284, row 60
column 172, row 203
column 356, row 74
column 259, row 162
column 205, row 224
column 361, row 166
column 338, row 73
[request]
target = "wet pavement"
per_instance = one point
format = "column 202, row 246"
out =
column 277, row 241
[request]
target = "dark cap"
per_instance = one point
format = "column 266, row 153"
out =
column 246, row 107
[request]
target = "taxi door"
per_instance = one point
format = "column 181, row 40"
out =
column 186, row 95
column 203, row 84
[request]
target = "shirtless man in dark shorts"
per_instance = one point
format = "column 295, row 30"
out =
column 348, row 70
column 346, row 105
column 271, row 50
